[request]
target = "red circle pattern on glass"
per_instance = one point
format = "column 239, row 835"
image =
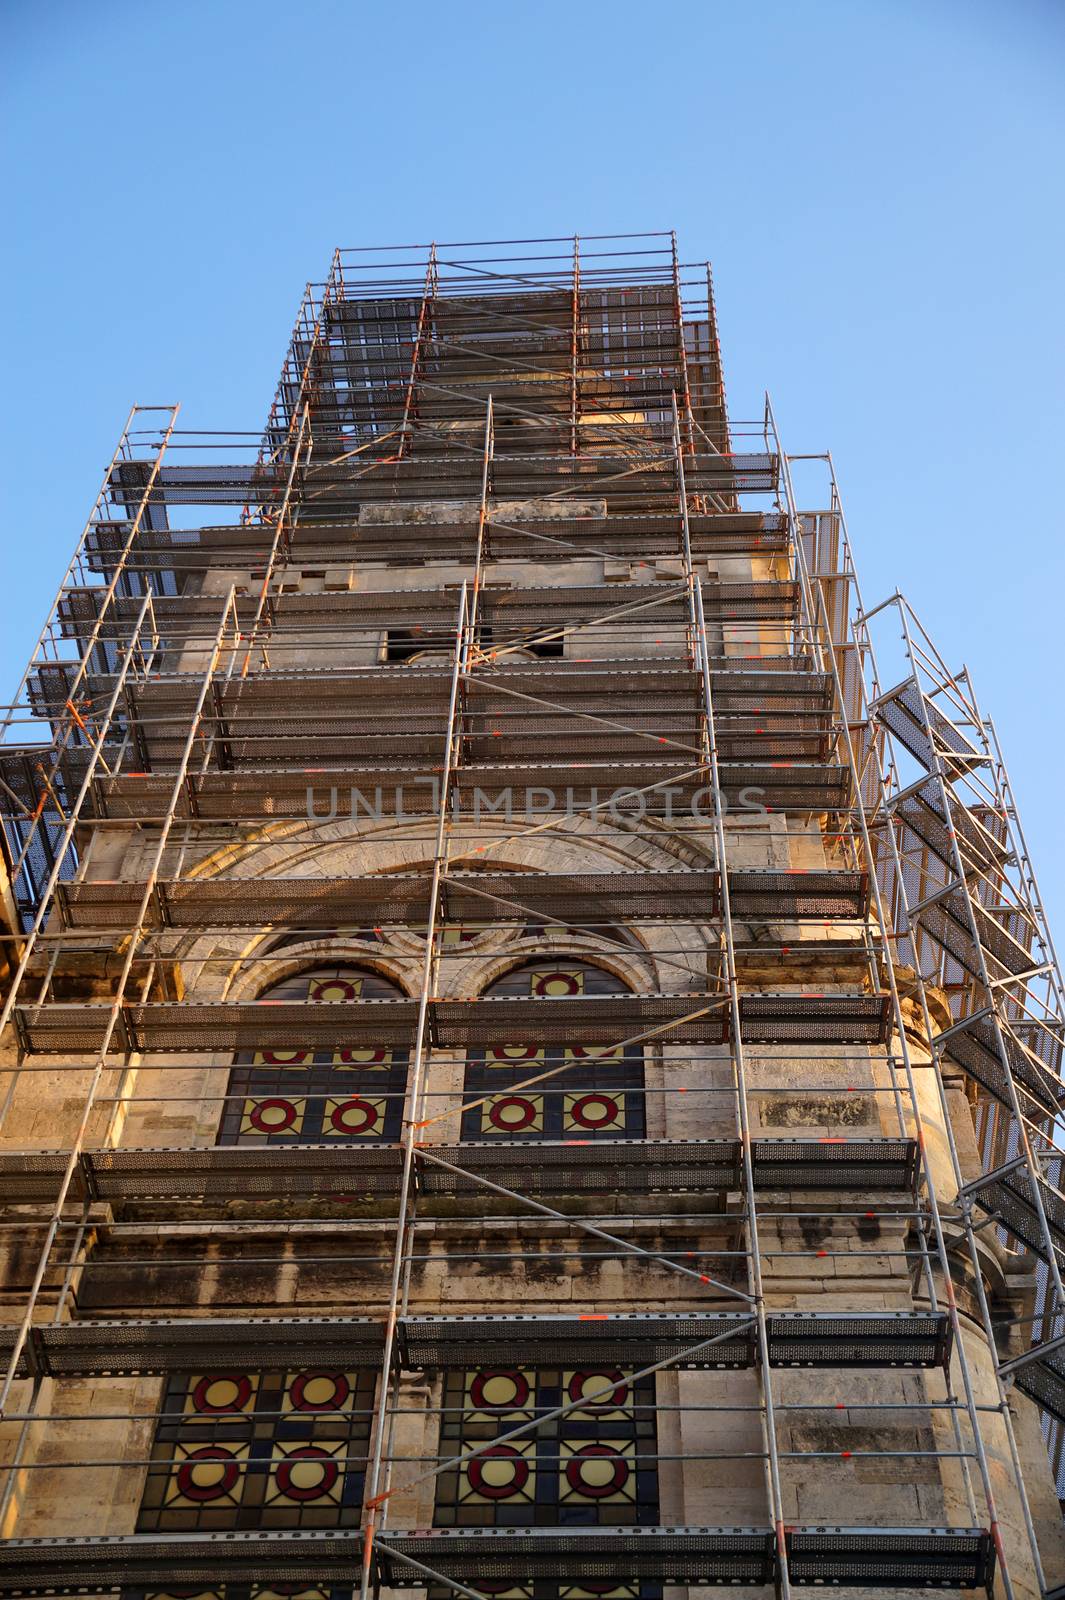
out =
column 512, row 1124
column 544, row 979
column 255, row 1115
column 354, row 1116
column 596, row 1491
column 591, row 1379
column 297, row 1391
column 498, row 1491
column 480, row 1382
column 203, row 1492
column 595, row 1111
column 347, row 990
column 307, row 1452
column 240, row 1400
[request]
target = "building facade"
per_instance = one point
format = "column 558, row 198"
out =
column 532, row 1061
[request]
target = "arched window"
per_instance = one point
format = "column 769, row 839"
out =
column 318, row 1096
column 586, row 1091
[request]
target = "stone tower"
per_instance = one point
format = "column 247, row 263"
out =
column 532, row 1062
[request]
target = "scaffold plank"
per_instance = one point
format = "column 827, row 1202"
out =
column 160, row 1561
column 138, row 1346
column 925, row 732
column 321, row 1173
column 938, row 818
column 796, row 1339
column 1009, row 1196
column 203, row 1344
column 432, row 609
column 1034, row 1064
column 683, row 1555
column 401, row 899
column 892, row 1558
column 513, row 535
column 950, row 1558
column 946, row 919
column 665, row 788
column 58, row 1027
column 916, row 1557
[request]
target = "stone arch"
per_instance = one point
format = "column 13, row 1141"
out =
column 248, row 981
column 225, row 965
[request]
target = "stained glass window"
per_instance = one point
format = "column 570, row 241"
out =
column 597, row 1094
column 594, row 1466
column 258, row 1450
column 347, row 1095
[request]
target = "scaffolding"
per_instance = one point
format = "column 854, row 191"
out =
column 625, row 610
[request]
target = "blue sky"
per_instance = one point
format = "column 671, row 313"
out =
column 878, row 184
